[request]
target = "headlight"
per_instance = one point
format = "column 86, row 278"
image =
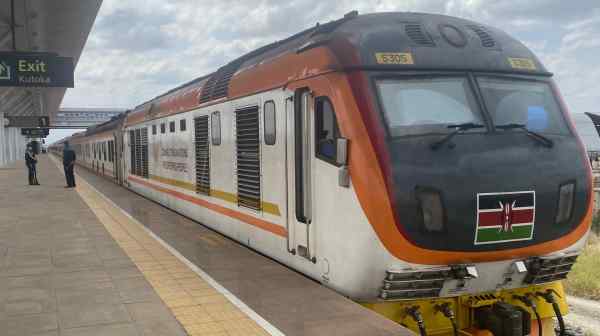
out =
column 432, row 209
column 566, row 194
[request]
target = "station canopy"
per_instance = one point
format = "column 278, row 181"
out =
column 59, row 28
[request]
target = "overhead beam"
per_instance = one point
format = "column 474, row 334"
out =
column 13, row 100
column 6, row 37
column 69, row 127
column 23, row 108
column 18, row 108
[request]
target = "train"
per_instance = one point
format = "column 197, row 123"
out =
column 422, row 165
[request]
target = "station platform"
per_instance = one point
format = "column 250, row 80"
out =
column 101, row 260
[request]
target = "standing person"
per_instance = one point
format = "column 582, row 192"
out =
column 69, row 163
column 30, row 162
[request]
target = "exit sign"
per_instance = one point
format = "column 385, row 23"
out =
column 35, row 70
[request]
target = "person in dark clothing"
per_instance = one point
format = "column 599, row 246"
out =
column 30, row 162
column 69, row 164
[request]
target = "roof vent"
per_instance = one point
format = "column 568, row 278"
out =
column 416, row 33
column 222, row 86
column 486, row 38
column 207, row 88
column 217, row 85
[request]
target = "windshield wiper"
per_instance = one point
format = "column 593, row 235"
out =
column 459, row 129
column 536, row 136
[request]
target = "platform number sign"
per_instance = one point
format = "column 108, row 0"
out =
column 35, row 132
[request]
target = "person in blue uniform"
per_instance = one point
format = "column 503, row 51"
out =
column 30, row 162
column 69, row 164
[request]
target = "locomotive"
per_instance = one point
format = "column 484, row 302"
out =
column 423, row 165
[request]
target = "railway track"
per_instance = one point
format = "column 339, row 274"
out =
column 583, row 318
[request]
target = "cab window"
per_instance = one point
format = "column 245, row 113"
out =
column 420, row 106
column 326, row 130
column 269, row 123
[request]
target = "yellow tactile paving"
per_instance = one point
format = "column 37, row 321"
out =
column 199, row 307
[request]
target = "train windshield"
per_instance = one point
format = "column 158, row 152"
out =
column 427, row 105
column 522, row 102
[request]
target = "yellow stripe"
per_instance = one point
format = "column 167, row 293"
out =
column 267, row 207
column 175, row 183
column 223, row 195
column 198, row 306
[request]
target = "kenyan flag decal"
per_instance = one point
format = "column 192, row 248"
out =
column 505, row 217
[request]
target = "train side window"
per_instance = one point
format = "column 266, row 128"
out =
column 326, row 130
column 215, row 128
column 182, row 125
column 172, row 127
column 163, row 128
column 269, row 122
column 153, row 129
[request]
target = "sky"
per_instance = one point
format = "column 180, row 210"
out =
column 139, row 49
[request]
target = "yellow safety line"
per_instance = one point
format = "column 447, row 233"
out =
column 267, row 207
column 198, row 306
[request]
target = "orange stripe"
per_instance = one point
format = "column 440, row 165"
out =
column 259, row 223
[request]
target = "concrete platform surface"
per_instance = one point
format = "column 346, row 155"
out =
column 74, row 262
column 61, row 271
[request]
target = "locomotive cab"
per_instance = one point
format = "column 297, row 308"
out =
column 475, row 155
column 488, row 185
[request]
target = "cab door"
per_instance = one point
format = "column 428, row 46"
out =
column 299, row 161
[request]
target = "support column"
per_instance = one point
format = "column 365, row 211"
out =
column 6, row 145
column 20, row 145
column 12, row 145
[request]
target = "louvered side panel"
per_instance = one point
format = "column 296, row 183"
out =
column 202, row 155
column 138, row 152
column 144, row 154
column 248, row 158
